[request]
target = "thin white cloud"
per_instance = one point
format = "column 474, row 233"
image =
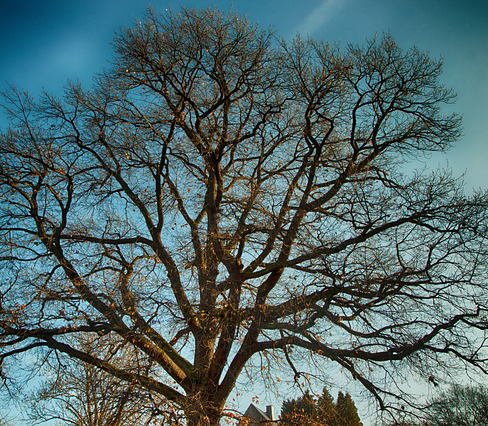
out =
column 324, row 12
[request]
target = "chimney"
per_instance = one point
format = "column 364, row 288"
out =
column 270, row 412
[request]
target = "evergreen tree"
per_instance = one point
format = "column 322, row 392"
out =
column 300, row 411
column 347, row 411
column 306, row 410
column 327, row 409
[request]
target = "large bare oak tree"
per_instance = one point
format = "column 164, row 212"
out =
column 222, row 197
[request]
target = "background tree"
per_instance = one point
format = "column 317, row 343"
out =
column 347, row 410
column 326, row 409
column 459, row 406
column 300, row 411
column 221, row 200
column 80, row 394
column 4, row 420
column 322, row 411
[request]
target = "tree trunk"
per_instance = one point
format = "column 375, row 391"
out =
column 203, row 419
column 203, row 413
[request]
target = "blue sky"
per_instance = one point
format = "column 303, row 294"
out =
column 43, row 43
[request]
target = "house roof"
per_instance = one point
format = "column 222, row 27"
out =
column 255, row 413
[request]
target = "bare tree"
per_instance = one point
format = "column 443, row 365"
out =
column 80, row 394
column 221, row 200
column 4, row 420
column 459, row 406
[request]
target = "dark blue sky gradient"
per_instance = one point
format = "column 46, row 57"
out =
column 43, row 43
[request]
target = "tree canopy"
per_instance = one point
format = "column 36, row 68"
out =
column 221, row 200
column 306, row 410
column 459, row 406
column 80, row 394
column 347, row 410
column 300, row 411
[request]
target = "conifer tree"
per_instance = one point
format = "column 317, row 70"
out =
column 327, row 409
column 347, row 411
column 306, row 410
column 300, row 411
